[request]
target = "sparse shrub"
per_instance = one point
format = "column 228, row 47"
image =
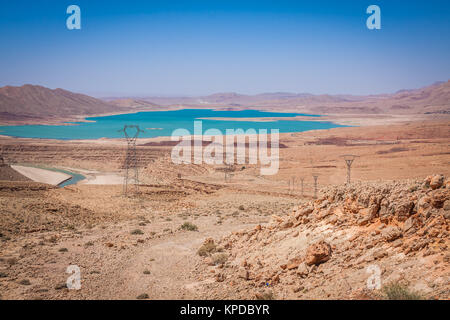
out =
column 25, row 282
column 89, row 244
column 206, row 249
column 142, row 296
column 137, row 232
column 189, row 226
column 60, row 286
column 168, row 219
column 3, row 275
column 219, row 258
column 241, row 207
column 146, row 272
column 63, row 250
column 398, row 291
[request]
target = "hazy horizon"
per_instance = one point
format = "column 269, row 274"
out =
column 144, row 96
column 198, row 48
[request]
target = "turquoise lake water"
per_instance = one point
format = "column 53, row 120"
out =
column 76, row 177
column 163, row 123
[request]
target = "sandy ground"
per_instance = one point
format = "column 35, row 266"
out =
column 104, row 179
column 42, row 175
column 116, row 261
column 347, row 119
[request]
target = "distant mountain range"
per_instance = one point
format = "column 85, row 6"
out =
column 35, row 103
column 431, row 99
column 235, row 99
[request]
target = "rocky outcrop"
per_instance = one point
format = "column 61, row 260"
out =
column 347, row 229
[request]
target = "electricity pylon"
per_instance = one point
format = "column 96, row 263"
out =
column 315, row 176
column 349, row 158
column 229, row 168
column 291, row 183
column 131, row 163
column 302, row 180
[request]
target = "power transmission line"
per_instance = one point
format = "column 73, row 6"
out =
column 131, row 133
column 349, row 158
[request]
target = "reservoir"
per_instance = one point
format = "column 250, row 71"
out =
column 163, row 123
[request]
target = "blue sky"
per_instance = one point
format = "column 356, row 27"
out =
column 139, row 48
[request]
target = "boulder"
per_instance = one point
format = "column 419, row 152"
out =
column 408, row 224
column 439, row 197
column 294, row 263
column 391, row 233
column 287, row 224
column 447, row 183
column 403, row 210
column 424, row 205
column 318, row 253
column 436, row 181
column 426, row 183
column 367, row 214
column 447, row 214
column 303, row 212
column 446, row 205
column 302, row 270
column 386, row 211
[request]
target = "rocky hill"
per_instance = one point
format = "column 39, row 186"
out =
column 331, row 247
column 129, row 103
column 9, row 174
column 37, row 102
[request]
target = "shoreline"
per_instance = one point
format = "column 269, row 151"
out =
column 41, row 175
column 344, row 121
column 357, row 119
column 100, row 161
column 302, row 117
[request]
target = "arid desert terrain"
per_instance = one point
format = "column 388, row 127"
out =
column 189, row 234
column 225, row 158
